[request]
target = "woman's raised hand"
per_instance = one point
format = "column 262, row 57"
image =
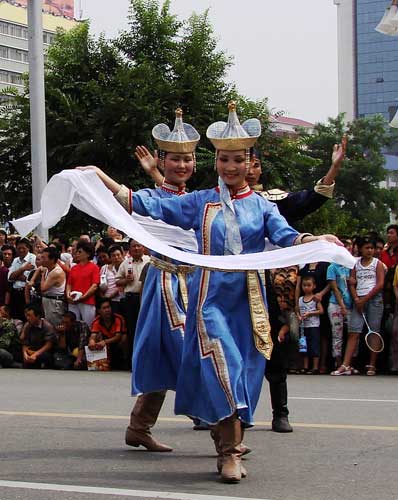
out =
column 339, row 151
column 148, row 162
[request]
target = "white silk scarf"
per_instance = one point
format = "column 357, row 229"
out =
column 85, row 191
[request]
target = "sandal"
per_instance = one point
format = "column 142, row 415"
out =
column 342, row 370
column 314, row 371
column 370, row 370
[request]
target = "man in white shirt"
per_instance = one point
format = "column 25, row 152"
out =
column 128, row 277
column 18, row 274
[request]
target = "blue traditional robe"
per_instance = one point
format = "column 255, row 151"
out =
column 221, row 370
column 160, row 326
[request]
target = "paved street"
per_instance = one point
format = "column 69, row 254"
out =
column 65, row 430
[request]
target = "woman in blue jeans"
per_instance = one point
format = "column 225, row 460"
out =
column 367, row 281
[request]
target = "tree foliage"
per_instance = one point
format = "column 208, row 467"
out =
column 104, row 96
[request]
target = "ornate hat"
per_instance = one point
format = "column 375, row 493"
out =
column 182, row 139
column 233, row 136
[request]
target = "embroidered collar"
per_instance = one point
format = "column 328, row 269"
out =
column 241, row 193
column 172, row 188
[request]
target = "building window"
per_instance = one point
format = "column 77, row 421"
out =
column 13, row 30
column 14, row 54
column 10, row 77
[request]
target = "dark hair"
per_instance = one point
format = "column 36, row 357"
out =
column 125, row 246
column 392, row 226
column 26, row 242
column 114, row 248
column 53, row 253
column 379, row 240
column 102, row 301
column 255, row 152
column 70, row 314
column 7, row 309
column 86, row 247
column 308, row 278
column 365, row 241
column 33, row 307
column 9, row 247
column 63, row 240
column 3, row 231
column 132, row 239
column 107, row 242
column 55, row 245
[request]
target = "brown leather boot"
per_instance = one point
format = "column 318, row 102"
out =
column 143, row 416
column 230, row 441
column 215, row 435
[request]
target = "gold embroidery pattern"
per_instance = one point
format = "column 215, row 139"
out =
column 210, row 211
column 181, row 270
column 175, row 317
column 259, row 315
column 212, row 347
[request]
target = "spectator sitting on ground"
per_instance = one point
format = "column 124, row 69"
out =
column 10, row 345
column 38, row 339
column 5, row 313
column 73, row 336
column 108, row 329
column 83, row 279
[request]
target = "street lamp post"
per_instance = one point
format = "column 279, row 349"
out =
column 37, row 106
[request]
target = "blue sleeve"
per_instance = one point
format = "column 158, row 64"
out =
column 276, row 227
column 179, row 211
column 331, row 273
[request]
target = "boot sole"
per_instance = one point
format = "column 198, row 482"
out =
column 157, row 450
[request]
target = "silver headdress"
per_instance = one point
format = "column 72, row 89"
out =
column 232, row 136
column 182, row 139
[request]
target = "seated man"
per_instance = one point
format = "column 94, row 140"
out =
column 73, row 336
column 10, row 346
column 109, row 329
column 38, row 339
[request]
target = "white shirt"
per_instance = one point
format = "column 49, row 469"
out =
column 136, row 268
column 310, row 306
column 16, row 264
column 366, row 277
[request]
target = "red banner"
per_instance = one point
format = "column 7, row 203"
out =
column 57, row 7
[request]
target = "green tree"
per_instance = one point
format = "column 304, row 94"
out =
column 360, row 203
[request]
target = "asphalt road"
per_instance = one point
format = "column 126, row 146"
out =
column 62, row 438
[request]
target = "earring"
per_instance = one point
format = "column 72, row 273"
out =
column 247, row 159
column 215, row 162
column 194, row 161
column 162, row 156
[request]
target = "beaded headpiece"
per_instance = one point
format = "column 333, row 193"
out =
column 182, row 139
column 232, row 136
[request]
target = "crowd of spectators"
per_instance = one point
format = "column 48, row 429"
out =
column 58, row 299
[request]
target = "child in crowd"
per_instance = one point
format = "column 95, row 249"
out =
column 339, row 309
column 366, row 285
column 310, row 311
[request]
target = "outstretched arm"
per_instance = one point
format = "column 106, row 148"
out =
column 108, row 181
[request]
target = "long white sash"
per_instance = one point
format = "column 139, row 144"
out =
column 86, row 192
